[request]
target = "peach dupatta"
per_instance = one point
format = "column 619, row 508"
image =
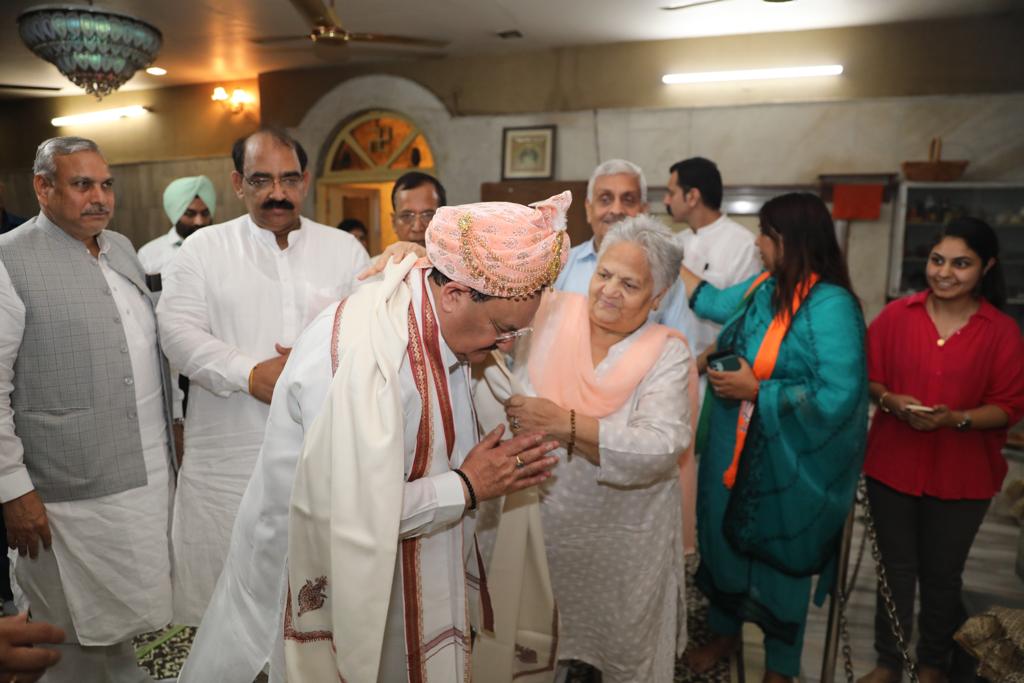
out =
column 561, row 369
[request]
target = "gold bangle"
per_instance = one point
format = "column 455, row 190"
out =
column 881, row 402
column 572, row 434
column 251, row 374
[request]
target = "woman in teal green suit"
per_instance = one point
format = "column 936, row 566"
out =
column 786, row 434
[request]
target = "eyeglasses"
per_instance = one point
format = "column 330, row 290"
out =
column 503, row 337
column 409, row 217
column 265, row 182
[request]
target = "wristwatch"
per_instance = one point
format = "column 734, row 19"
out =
column 964, row 424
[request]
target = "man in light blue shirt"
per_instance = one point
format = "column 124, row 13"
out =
column 616, row 189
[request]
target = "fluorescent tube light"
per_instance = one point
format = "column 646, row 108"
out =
column 102, row 115
column 753, row 74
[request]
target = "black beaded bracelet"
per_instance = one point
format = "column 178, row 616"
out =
column 469, row 487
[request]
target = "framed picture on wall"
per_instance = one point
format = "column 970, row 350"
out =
column 528, row 153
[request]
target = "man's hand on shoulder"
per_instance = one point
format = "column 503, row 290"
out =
column 27, row 524
column 393, row 254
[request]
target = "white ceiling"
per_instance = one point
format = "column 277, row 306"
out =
column 208, row 40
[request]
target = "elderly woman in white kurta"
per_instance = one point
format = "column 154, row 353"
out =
column 613, row 388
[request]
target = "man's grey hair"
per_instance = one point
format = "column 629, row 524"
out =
column 615, row 167
column 664, row 256
column 50, row 149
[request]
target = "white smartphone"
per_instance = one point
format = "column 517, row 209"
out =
column 920, row 409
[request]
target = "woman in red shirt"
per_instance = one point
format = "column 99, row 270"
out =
column 946, row 368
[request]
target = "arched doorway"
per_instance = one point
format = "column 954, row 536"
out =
column 370, row 151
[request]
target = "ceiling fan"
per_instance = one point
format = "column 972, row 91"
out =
column 327, row 32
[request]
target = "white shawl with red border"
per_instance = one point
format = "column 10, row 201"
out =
column 347, row 501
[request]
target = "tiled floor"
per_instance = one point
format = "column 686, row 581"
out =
column 989, row 580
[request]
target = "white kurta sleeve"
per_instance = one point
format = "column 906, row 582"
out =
column 431, row 503
column 185, row 328
column 744, row 261
column 14, row 479
column 645, row 449
column 428, row 503
column 360, row 262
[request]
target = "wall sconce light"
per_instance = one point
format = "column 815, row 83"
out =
column 235, row 102
column 101, row 115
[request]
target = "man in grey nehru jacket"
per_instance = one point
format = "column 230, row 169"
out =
column 84, row 414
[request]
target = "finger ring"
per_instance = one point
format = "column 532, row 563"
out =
column 519, row 462
column 513, row 422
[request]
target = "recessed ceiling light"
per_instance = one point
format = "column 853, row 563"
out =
column 156, row 71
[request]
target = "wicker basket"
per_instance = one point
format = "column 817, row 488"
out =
column 935, row 169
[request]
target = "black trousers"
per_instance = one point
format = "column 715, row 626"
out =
column 924, row 541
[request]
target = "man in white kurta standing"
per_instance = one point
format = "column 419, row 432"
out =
column 716, row 247
column 84, row 414
column 190, row 204
column 415, row 331
column 235, row 298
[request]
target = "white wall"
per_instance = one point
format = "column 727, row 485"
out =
column 772, row 144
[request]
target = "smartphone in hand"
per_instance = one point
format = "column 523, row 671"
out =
column 914, row 408
column 724, row 361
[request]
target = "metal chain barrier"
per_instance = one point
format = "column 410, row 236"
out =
column 870, row 536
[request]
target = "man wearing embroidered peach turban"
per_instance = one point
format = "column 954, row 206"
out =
column 373, row 422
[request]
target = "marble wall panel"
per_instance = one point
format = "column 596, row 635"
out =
column 774, row 144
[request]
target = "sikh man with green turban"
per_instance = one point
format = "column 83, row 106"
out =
column 189, row 204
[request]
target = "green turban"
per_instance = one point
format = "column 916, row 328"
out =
column 180, row 193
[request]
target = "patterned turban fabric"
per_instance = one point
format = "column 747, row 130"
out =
column 180, row 193
column 499, row 248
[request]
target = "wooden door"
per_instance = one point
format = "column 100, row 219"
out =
column 345, row 200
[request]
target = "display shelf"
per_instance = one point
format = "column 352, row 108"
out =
column 923, row 209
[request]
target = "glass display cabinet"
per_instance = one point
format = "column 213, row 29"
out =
column 922, row 210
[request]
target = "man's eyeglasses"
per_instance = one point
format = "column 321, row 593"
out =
column 265, row 182
column 409, row 217
column 503, row 337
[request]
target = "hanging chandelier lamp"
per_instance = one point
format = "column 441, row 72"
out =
column 97, row 50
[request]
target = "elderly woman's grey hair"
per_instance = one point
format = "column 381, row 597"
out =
column 48, row 150
column 663, row 254
column 616, row 167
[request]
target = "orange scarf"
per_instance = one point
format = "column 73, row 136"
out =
column 764, row 365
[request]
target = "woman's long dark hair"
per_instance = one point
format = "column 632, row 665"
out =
column 982, row 240
column 799, row 223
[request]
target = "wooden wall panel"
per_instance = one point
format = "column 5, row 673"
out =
column 529, row 191
column 139, row 191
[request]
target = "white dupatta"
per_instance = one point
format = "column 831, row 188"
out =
column 524, row 643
